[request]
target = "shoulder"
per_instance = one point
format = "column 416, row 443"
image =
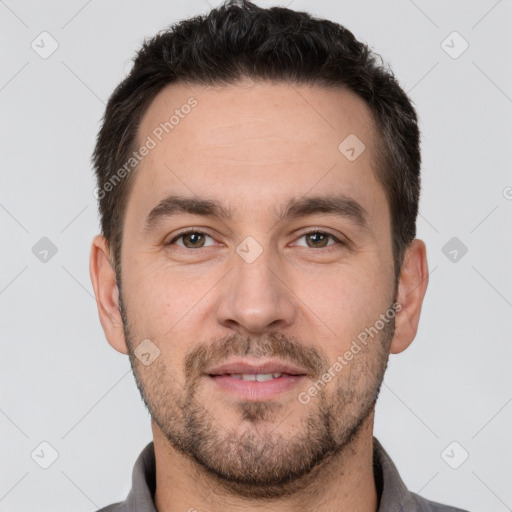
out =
column 115, row 507
column 421, row 504
column 394, row 495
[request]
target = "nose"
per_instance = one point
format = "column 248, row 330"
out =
column 256, row 297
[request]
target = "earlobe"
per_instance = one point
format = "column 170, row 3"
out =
column 411, row 291
column 107, row 293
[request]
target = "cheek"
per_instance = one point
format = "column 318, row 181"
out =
column 167, row 302
column 342, row 304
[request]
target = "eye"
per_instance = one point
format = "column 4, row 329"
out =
column 319, row 239
column 194, row 239
column 191, row 239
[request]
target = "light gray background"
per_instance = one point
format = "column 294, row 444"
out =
column 61, row 382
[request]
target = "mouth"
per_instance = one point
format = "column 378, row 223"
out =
column 261, row 381
column 254, row 377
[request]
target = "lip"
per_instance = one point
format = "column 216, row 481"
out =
column 253, row 368
column 220, row 377
column 253, row 390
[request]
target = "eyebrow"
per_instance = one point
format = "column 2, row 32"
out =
column 339, row 205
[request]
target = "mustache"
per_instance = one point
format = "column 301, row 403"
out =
column 273, row 344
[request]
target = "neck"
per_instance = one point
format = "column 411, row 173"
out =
column 342, row 483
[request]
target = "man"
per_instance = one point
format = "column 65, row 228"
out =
column 258, row 182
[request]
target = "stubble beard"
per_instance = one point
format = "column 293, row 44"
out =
column 252, row 460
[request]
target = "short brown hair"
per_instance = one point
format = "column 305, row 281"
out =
column 241, row 40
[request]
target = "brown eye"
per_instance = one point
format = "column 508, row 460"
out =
column 318, row 239
column 191, row 240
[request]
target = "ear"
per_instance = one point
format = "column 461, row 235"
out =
column 411, row 290
column 103, row 279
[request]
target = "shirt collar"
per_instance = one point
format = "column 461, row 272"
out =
column 393, row 494
column 141, row 496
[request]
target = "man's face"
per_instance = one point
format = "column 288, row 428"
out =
column 258, row 286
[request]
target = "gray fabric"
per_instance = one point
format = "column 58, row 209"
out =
column 394, row 496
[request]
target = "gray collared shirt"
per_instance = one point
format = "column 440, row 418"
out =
column 393, row 495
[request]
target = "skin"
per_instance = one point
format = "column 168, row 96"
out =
column 254, row 146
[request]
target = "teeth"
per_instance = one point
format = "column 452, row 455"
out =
column 264, row 376
column 260, row 377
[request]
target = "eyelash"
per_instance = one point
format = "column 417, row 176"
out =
column 312, row 232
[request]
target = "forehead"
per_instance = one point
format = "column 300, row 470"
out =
column 255, row 142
